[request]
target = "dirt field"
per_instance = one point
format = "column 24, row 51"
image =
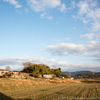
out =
column 45, row 90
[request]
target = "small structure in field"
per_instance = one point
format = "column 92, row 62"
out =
column 71, row 78
column 3, row 72
column 48, row 76
column 63, row 77
column 15, row 74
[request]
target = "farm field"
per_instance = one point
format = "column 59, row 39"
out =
column 44, row 90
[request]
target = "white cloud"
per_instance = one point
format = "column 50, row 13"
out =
column 96, row 26
column 73, row 4
column 42, row 5
column 26, row 10
column 89, row 36
column 16, row 62
column 77, row 67
column 89, row 12
column 98, row 36
column 66, row 49
column 63, row 63
column 21, row 60
column 93, row 45
column 83, row 7
column 63, row 8
column 92, row 48
column 13, row 2
column 65, row 66
column 45, row 15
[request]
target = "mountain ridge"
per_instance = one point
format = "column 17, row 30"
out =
column 80, row 72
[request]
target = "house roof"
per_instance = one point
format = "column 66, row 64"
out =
column 3, row 70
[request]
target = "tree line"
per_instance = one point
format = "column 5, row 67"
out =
column 41, row 69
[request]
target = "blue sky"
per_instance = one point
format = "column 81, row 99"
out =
column 61, row 33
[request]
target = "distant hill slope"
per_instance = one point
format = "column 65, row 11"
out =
column 79, row 72
column 98, row 73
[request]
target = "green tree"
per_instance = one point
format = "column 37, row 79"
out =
column 65, row 75
column 40, row 69
column 57, row 72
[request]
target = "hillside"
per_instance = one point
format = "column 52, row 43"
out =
column 80, row 72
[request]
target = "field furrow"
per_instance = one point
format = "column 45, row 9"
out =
column 52, row 91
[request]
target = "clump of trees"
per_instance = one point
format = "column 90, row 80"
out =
column 7, row 75
column 40, row 69
column 88, row 76
column 65, row 75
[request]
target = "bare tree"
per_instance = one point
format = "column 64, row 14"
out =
column 8, row 68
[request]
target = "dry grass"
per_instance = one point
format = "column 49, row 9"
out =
column 64, row 81
column 17, row 83
column 90, row 80
column 44, row 89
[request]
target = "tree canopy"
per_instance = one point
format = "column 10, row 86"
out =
column 40, row 69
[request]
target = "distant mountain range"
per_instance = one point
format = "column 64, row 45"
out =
column 81, row 72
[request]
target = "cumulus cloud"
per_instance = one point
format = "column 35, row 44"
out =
column 96, row 26
column 65, row 66
column 98, row 36
column 83, row 7
column 73, row 4
column 92, row 48
column 63, row 8
column 13, row 2
column 17, row 62
column 93, row 45
column 78, row 67
column 21, row 60
column 89, row 12
column 89, row 36
column 45, row 15
column 42, row 5
column 66, row 49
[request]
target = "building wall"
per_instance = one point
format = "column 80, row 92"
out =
column 3, row 72
column 47, row 76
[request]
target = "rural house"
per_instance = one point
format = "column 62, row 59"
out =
column 49, row 76
column 3, row 72
column 15, row 74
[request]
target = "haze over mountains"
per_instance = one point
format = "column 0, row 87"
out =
column 80, row 72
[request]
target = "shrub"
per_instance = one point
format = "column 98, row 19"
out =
column 65, row 75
